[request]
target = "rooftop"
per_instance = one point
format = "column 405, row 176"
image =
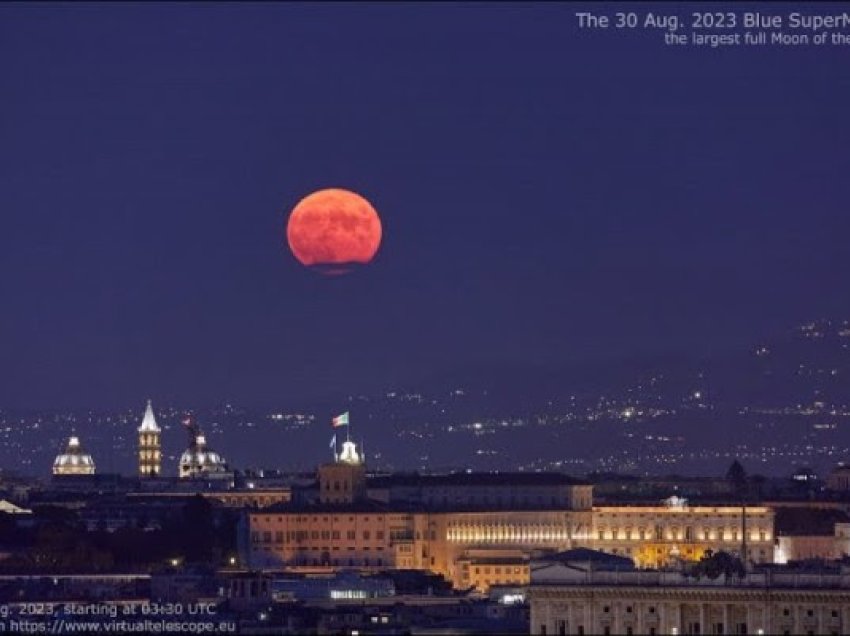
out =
column 553, row 574
column 476, row 479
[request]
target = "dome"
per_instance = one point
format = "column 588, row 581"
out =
column 199, row 460
column 74, row 461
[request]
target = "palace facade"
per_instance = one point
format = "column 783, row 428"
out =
column 480, row 530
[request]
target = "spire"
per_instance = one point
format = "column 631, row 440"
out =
column 149, row 424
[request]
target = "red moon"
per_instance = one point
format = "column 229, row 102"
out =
column 333, row 229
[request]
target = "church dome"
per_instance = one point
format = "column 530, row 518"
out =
column 74, row 461
column 199, row 460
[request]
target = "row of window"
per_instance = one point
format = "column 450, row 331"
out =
column 498, row 500
column 786, row 611
column 659, row 533
column 299, row 536
column 339, row 562
column 497, row 570
column 315, row 519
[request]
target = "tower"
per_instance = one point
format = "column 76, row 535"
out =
column 343, row 481
column 150, row 451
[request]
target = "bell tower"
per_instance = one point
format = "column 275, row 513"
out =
column 150, row 451
column 344, row 481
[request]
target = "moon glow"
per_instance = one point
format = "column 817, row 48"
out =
column 334, row 230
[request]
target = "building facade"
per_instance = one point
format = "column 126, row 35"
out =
column 480, row 530
column 660, row 536
column 564, row 601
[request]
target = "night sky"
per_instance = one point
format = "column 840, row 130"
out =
column 547, row 196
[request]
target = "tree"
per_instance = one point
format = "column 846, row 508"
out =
column 713, row 564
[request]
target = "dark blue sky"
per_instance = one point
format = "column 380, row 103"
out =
column 547, row 195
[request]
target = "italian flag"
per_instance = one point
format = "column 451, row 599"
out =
column 340, row 420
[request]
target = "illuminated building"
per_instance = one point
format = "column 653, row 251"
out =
column 826, row 547
column 569, row 600
column 492, row 567
column 660, row 536
column 344, row 480
column 74, row 461
column 199, row 461
column 150, row 450
column 476, row 530
column 480, row 530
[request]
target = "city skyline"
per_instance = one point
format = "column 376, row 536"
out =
column 419, row 318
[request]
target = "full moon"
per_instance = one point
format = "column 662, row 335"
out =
column 334, row 230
